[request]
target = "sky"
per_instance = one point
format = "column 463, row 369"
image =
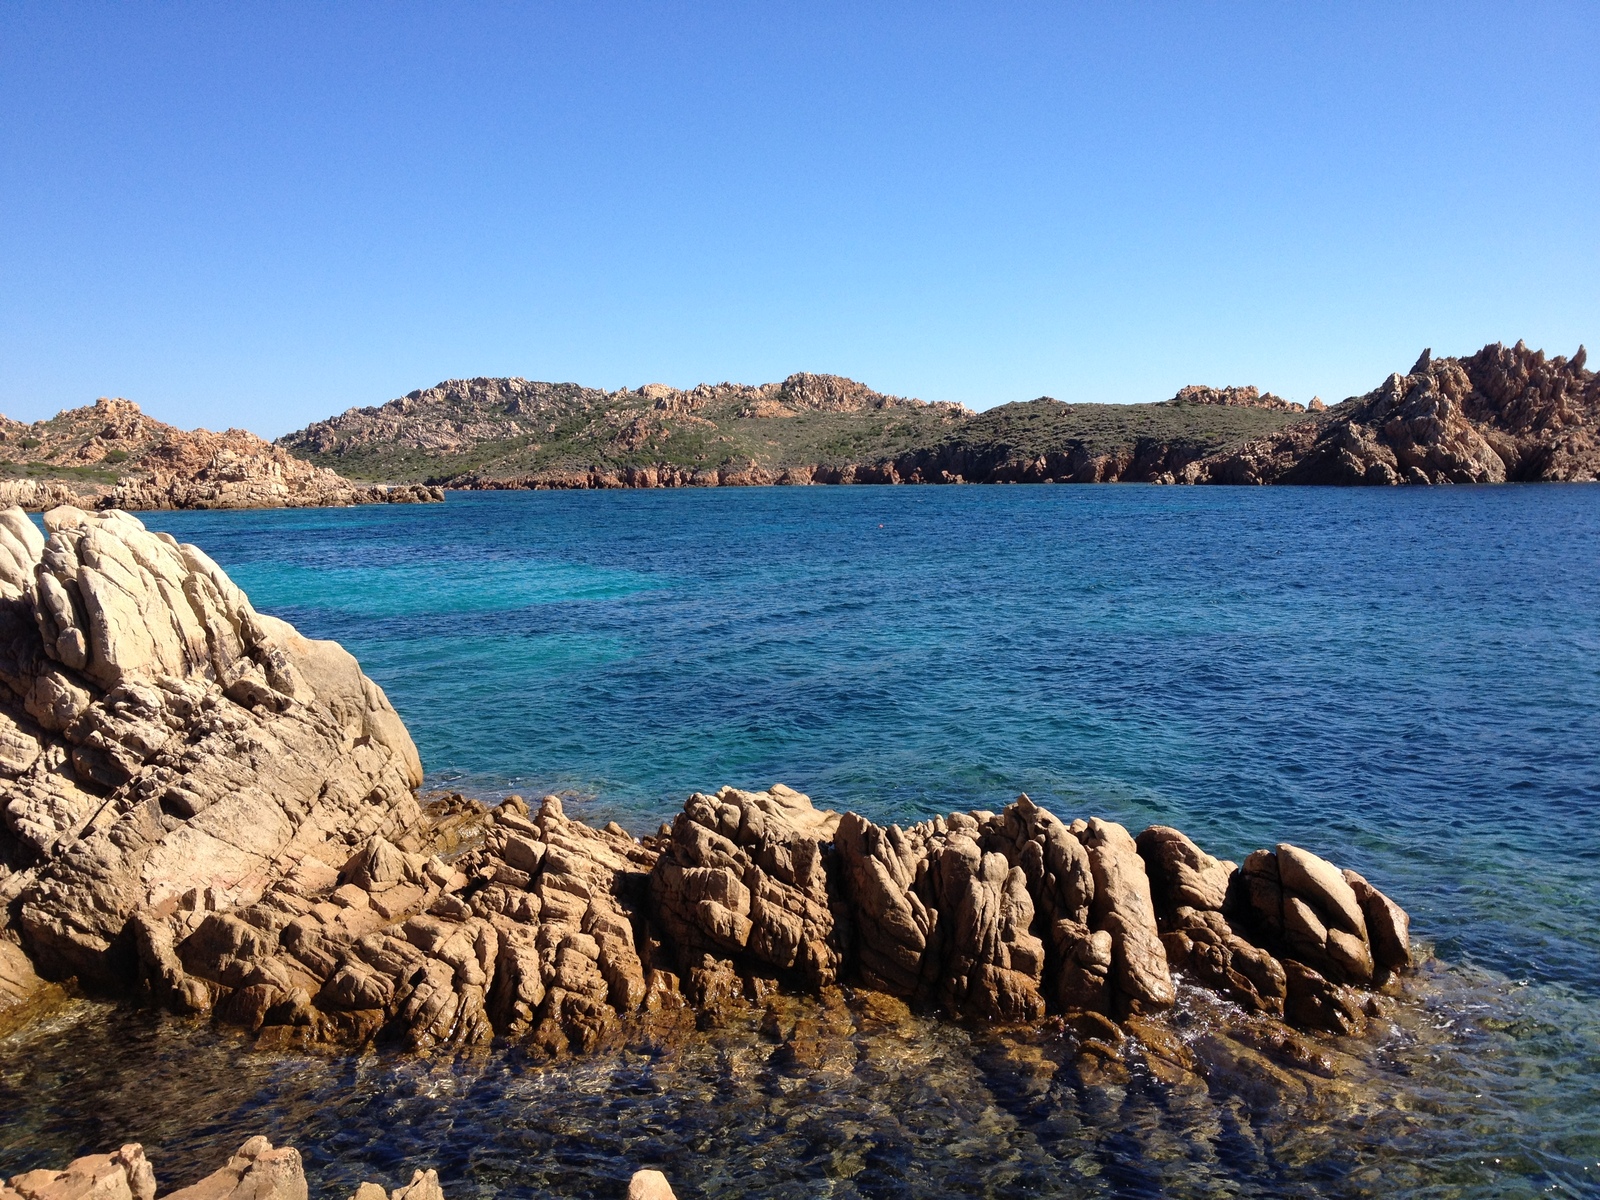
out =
column 259, row 215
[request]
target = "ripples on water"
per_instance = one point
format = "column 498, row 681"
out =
column 1405, row 680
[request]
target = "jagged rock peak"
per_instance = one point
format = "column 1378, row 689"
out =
column 1496, row 416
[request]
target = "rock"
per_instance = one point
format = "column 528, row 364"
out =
column 124, row 1174
column 1234, row 397
column 424, row 1185
column 649, row 1185
column 1388, row 925
column 22, row 993
column 255, row 1172
column 1180, row 872
column 744, row 878
column 1496, row 416
column 157, row 774
column 1314, row 1002
column 1124, row 908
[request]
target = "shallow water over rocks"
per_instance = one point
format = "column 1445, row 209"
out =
column 1467, row 1094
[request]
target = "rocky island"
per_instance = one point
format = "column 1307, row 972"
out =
column 111, row 455
column 1502, row 414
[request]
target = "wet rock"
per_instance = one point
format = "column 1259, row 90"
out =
column 22, row 993
column 1314, row 1002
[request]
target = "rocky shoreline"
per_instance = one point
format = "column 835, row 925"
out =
column 204, row 811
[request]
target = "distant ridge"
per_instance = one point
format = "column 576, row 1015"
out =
column 1500, row 414
column 496, row 433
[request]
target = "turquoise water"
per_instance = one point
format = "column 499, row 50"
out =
column 1406, row 680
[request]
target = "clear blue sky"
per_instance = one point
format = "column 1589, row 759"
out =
column 259, row 215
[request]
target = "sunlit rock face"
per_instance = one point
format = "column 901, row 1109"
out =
column 166, row 749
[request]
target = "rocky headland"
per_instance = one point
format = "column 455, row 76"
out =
column 110, row 455
column 1502, row 414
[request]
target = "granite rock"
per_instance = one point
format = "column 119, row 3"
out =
column 168, row 751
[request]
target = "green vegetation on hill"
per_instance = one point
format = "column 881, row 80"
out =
column 1045, row 426
column 488, row 431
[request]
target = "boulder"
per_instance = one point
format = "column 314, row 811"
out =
column 162, row 739
column 255, row 1172
column 649, row 1185
column 1123, row 907
column 124, row 1174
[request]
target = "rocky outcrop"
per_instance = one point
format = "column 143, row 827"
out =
column 256, row 1171
column 1234, row 397
column 168, row 755
column 124, row 1174
column 1500, row 415
column 558, row 936
column 110, row 455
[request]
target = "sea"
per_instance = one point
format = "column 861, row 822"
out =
column 1406, row 681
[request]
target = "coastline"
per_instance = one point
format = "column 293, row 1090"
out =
column 1216, row 1067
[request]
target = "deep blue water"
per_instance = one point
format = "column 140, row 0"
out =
column 1405, row 680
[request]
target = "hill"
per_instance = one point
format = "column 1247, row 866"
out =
column 110, row 454
column 493, row 433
